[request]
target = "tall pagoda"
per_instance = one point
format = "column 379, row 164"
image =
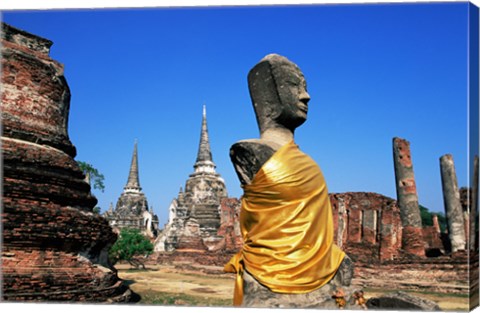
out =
column 132, row 209
column 194, row 215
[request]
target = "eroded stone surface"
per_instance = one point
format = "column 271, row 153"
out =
column 229, row 226
column 367, row 225
column 412, row 240
column 258, row 296
column 198, row 204
column 54, row 248
column 402, row 301
column 132, row 209
column 453, row 208
column 473, row 218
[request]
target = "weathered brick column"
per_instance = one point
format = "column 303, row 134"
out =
column 412, row 236
column 453, row 208
column 54, row 247
column 474, row 207
column 466, row 227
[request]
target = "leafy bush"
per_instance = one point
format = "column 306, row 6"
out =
column 131, row 247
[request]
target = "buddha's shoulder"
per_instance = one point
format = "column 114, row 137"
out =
column 248, row 156
column 252, row 148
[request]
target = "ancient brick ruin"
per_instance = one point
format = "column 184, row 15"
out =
column 412, row 239
column 373, row 228
column 367, row 225
column 229, row 225
column 391, row 247
column 132, row 209
column 370, row 228
column 451, row 195
column 54, row 247
column 194, row 216
column 387, row 241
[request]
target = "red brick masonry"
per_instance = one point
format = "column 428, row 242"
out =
column 54, row 248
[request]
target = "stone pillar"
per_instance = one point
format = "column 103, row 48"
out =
column 474, row 206
column 435, row 223
column 369, row 226
column 466, row 226
column 453, row 208
column 342, row 222
column 412, row 237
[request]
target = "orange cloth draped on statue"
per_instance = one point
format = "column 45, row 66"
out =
column 287, row 227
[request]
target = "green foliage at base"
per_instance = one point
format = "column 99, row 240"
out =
column 427, row 219
column 131, row 246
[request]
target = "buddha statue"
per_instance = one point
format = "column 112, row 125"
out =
column 288, row 258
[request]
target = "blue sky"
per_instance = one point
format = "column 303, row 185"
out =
column 373, row 72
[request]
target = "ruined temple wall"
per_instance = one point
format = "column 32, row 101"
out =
column 203, row 194
column 368, row 224
column 390, row 233
column 446, row 274
column 54, row 247
column 31, row 82
column 230, row 224
column 63, row 276
column 432, row 238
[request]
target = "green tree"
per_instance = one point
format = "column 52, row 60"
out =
column 427, row 218
column 132, row 247
column 442, row 221
column 93, row 175
column 97, row 177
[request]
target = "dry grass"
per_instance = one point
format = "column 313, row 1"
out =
column 166, row 285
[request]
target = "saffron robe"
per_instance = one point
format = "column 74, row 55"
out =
column 287, row 227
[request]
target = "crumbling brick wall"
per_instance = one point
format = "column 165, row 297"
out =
column 367, row 225
column 446, row 274
column 229, row 224
column 54, row 247
column 433, row 240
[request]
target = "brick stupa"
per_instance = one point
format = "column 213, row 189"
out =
column 194, row 216
column 54, row 247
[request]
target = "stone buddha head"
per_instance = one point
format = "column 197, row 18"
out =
column 278, row 92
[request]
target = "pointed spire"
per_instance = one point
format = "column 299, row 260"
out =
column 204, row 152
column 133, row 183
column 204, row 163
